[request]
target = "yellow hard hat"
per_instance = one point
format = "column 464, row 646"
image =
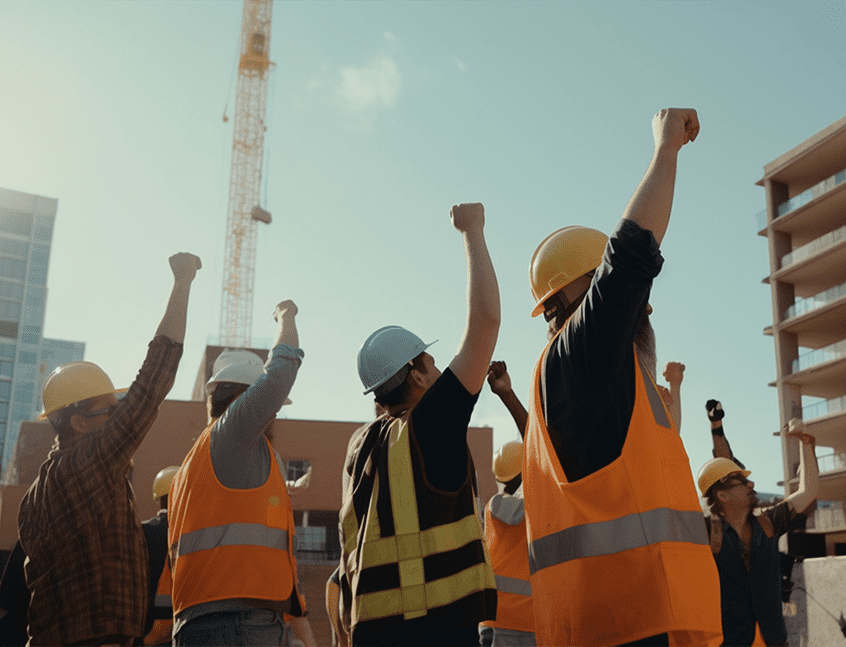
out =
column 74, row 382
column 508, row 461
column 716, row 469
column 161, row 484
column 561, row 258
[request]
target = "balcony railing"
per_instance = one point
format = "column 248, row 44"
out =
column 804, row 198
column 817, row 301
column 820, row 409
column 835, row 462
column 814, row 246
column 820, row 355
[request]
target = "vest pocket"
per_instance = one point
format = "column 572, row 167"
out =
column 678, row 482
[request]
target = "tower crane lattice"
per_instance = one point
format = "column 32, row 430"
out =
column 244, row 212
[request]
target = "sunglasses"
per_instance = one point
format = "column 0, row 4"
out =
column 100, row 412
column 738, row 478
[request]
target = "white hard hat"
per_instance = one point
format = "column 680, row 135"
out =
column 384, row 354
column 238, row 366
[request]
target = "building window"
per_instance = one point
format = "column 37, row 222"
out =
column 6, row 368
column 31, row 335
column 14, row 222
column 10, row 310
column 14, row 247
column 5, row 391
column 297, row 468
column 11, row 290
column 24, row 391
column 311, row 539
column 27, row 357
column 12, row 268
column 7, row 350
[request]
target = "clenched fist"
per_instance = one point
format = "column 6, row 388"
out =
column 184, row 266
column 467, row 216
column 284, row 308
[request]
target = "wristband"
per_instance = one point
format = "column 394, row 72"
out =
column 718, row 431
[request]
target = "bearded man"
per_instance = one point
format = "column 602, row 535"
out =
column 618, row 551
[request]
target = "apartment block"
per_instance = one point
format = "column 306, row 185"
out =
column 805, row 226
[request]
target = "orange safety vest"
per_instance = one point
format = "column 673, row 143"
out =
column 162, row 630
column 505, row 534
column 228, row 543
column 621, row 554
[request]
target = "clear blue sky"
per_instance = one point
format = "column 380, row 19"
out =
column 383, row 115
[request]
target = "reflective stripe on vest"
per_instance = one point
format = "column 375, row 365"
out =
column 617, row 535
column 513, row 585
column 622, row 553
column 408, row 546
column 233, row 534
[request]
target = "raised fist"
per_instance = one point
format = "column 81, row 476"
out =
column 498, row 378
column 283, row 308
column 674, row 372
column 468, row 216
column 184, row 266
column 715, row 410
column 796, row 429
column 675, row 127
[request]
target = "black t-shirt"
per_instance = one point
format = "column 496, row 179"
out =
column 753, row 595
column 439, row 423
column 589, row 372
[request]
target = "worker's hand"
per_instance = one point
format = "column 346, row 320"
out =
column 796, row 429
column 184, row 266
column 285, row 308
column 672, row 128
column 674, row 373
column 498, row 378
column 666, row 396
column 715, row 410
column 468, row 216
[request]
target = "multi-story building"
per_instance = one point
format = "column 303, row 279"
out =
column 26, row 230
column 805, row 226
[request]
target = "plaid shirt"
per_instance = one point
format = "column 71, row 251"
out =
column 78, row 524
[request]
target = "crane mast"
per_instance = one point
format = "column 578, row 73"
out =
column 244, row 212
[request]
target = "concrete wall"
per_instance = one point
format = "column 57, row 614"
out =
column 819, row 592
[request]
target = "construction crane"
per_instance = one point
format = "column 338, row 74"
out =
column 244, row 212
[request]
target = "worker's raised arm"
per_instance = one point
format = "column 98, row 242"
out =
column 500, row 383
column 470, row 364
column 652, row 201
column 722, row 449
column 674, row 374
column 184, row 267
column 284, row 315
column 809, row 475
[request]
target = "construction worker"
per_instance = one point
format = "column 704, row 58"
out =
column 414, row 567
column 159, row 626
column 744, row 537
column 231, row 527
column 505, row 528
column 617, row 545
column 86, row 559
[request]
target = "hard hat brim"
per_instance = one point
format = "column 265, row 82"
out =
column 118, row 393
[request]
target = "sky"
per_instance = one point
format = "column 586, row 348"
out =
column 381, row 115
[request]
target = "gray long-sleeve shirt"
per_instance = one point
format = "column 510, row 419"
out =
column 240, row 460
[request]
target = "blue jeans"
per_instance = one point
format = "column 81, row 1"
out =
column 233, row 629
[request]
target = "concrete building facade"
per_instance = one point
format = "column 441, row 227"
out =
column 805, row 226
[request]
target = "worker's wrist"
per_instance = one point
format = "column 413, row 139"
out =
column 717, row 429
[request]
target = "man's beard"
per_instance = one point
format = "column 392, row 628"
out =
column 645, row 344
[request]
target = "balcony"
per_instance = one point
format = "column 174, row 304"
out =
column 820, row 356
column 831, row 463
column 815, row 302
column 824, row 408
column 803, row 198
column 814, row 246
